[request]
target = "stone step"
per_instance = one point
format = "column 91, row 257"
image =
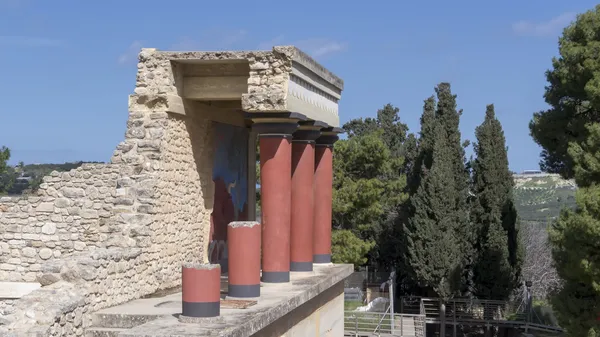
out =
column 121, row 321
column 103, row 332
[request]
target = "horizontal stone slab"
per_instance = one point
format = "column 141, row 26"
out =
column 13, row 290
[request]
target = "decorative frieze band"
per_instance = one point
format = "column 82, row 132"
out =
column 317, row 104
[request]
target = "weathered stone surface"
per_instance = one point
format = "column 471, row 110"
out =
column 17, row 289
column 103, row 234
column 45, row 253
column 45, row 207
column 49, row 228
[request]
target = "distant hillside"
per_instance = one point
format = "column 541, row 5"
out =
column 540, row 197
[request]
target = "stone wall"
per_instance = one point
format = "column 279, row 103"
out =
column 104, row 234
column 70, row 213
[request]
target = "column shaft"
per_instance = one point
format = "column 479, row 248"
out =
column 303, row 164
column 323, row 199
column 275, row 173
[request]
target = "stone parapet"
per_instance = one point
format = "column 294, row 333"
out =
column 311, row 304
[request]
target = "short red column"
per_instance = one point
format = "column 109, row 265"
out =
column 201, row 290
column 243, row 246
column 323, row 198
column 303, row 170
column 275, row 181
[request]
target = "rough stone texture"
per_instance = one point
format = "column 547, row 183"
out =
column 70, row 211
column 115, row 231
column 238, row 224
column 104, row 234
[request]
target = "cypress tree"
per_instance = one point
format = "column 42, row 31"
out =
column 433, row 254
column 437, row 233
column 422, row 161
column 498, row 264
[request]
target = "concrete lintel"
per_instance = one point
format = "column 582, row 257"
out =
column 212, row 88
column 305, row 60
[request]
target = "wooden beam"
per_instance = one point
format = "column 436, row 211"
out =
column 215, row 88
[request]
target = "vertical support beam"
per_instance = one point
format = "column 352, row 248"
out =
column 252, row 175
column 275, row 144
column 442, row 319
column 244, row 259
column 323, row 185
column 276, row 170
column 303, row 169
column 201, row 290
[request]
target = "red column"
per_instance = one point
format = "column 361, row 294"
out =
column 303, row 169
column 243, row 246
column 275, row 181
column 323, row 198
column 201, row 290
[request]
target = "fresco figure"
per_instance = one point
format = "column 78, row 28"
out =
column 230, row 176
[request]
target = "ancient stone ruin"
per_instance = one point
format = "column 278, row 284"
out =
column 105, row 234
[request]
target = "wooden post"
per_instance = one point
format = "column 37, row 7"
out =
column 442, row 319
column 454, row 318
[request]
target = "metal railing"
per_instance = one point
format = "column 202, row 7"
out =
column 476, row 312
column 358, row 323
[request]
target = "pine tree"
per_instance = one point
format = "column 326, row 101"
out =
column 575, row 239
column 498, row 259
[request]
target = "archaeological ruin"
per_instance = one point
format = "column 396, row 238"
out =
column 99, row 250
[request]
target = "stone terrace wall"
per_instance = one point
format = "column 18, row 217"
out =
column 70, row 213
column 102, row 235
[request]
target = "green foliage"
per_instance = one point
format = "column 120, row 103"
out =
column 5, row 170
column 369, row 180
column 499, row 257
column 568, row 133
column 575, row 238
column 364, row 186
column 348, row 248
column 437, row 232
column 433, row 254
column 573, row 92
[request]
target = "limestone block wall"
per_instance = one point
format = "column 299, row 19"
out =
column 104, row 234
column 71, row 212
column 268, row 82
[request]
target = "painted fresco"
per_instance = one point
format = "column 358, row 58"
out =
column 230, row 176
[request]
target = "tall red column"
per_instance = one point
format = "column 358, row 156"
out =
column 275, row 185
column 275, row 146
column 303, row 169
column 323, row 197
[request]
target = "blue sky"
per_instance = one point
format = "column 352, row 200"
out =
column 68, row 66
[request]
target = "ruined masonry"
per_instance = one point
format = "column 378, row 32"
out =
column 104, row 235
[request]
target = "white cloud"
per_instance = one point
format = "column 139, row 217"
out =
column 131, row 53
column 543, row 29
column 316, row 47
column 29, row 41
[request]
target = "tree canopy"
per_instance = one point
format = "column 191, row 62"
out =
column 573, row 93
column 499, row 257
column 569, row 133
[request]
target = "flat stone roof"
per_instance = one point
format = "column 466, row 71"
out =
column 295, row 53
column 276, row 300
